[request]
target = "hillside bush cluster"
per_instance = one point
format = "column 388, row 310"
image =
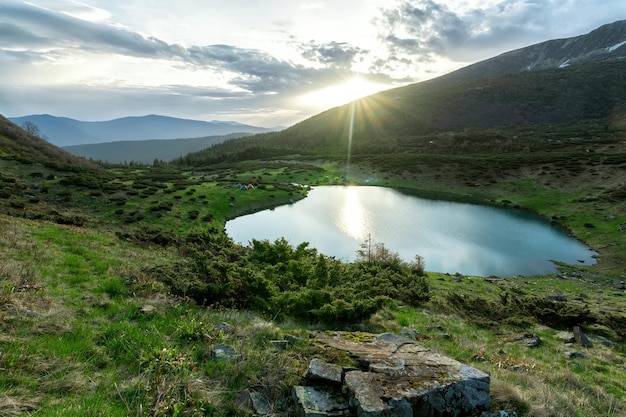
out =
column 283, row 281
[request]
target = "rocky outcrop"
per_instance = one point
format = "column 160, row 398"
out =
column 395, row 377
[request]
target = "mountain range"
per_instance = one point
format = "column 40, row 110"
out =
column 63, row 131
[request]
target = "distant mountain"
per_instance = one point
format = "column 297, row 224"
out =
column 63, row 131
column 146, row 151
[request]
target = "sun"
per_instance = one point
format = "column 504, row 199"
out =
column 344, row 92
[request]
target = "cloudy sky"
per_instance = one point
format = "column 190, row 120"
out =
column 266, row 63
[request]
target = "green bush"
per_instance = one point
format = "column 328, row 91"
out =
column 288, row 282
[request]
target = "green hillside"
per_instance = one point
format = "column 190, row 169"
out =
column 146, row 151
column 116, row 280
column 404, row 119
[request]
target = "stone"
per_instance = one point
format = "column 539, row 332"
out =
column 606, row 342
column 324, row 372
column 256, row 401
column 147, row 308
column 559, row 298
column 575, row 355
column 530, row 341
column 400, row 378
column 411, row 333
column 580, row 337
column 311, row 402
column 565, row 337
column 224, row 328
column 222, row 352
column 260, row 403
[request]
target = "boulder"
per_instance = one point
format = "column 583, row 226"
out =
column 401, row 378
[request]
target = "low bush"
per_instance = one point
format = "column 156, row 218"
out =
column 287, row 282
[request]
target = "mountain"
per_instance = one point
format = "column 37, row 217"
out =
column 606, row 42
column 529, row 87
column 146, row 151
column 63, row 131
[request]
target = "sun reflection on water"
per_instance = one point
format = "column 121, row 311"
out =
column 353, row 218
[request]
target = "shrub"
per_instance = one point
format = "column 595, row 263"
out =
column 284, row 281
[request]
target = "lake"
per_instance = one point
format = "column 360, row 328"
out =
column 451, row 237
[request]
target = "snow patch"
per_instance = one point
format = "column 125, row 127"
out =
column 565, row 64
column 616, row 46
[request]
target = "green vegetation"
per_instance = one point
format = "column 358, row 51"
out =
column 117, row 280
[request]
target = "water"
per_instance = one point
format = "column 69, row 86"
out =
column 450, row 236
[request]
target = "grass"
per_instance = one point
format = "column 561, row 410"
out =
column 99, row 351
column 78, row 338
column 84, row 330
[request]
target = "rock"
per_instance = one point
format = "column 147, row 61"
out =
column 260, row 403
column 525, row 339
column 324, row 372
column 575, row 355
column 222, row 352
column 252, row 400
column 530, row 341
column 411, row 333
column 565, row 337
column 311, row 402
column 559, row 298
column 224, row 328
column 606, row 342
column 148, row 308
column 400, row 378
column 580, row 337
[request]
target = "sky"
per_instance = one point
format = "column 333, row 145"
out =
column 266, row 63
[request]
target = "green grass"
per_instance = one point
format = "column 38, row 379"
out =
column 86, row 330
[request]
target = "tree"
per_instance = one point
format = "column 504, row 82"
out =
column 31, row 128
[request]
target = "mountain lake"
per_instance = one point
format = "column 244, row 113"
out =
column 452, row 237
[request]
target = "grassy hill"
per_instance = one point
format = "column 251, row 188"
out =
column 116, row 280
column 404, row 119
column 146, row 151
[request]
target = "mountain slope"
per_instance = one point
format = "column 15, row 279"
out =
column 399, row 120
column 146, row 151
column 18, row 147
column 606, row 42
column 63, row 131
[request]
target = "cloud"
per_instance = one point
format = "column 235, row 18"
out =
column 428, row 28
column 48, row 34
column 335, row 54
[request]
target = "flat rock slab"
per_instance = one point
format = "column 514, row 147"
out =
column 400, row 378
